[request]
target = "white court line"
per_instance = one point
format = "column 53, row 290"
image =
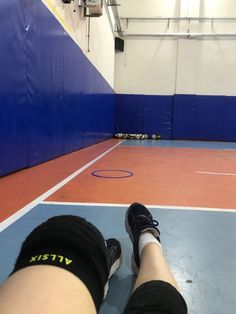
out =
column 21, row 212
column 149, row 206
column 217, row 173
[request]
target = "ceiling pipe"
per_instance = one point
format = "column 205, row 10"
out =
column 179, row 35
column 109, row 18
column 178, row 18
column 113, row 4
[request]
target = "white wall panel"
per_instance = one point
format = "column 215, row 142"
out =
column 218, row 8
column 217, row 66
column 101, row 45
column 154, row 8
column 147, row 67
column 186, row 66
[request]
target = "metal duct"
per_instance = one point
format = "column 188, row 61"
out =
column 109, row 17
column 178, row 18
column 179, row 35
column 114, row 6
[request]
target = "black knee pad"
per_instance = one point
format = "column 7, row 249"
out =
column 157, row 297
column 72, row 243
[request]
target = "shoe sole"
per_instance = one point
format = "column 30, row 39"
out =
column 113, row 270
column 134, row 267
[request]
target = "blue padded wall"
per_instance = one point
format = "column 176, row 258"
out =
column 158, row 115
column 229, row 119
column 52, row 99
column 13, row 105
column 178, row 117
column 144, row 114
column 198, row 117
column 209, row 118
column 129, row 113
column 44, row 81
column 184, row 116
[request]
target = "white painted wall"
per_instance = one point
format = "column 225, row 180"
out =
column 100, row 50
column 183, row 66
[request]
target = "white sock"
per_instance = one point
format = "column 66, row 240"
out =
column 145, row 238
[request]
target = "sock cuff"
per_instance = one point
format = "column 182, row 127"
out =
column 146, row 238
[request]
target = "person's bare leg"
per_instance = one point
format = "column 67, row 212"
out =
column 45, row 289
column 155, row 289
column 153, row 266
column 149, row 261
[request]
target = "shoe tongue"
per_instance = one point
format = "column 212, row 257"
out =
column 145, row 218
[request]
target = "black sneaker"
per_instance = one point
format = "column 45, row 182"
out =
column 138, row 219
column 114, row 248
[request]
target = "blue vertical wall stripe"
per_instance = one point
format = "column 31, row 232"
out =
column 144, row 114
column 13, row 105
column 229, row 119
column 129, row 113
column 45, row 85
column 158, row 116
column 73, row 108
column 184, row 117
column 209, row 118
column 52, row 99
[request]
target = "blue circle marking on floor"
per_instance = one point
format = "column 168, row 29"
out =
column 120, row 174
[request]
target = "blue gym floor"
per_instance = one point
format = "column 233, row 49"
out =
column 199, row 246
column 181, row 144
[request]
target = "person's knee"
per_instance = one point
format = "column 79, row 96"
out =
column 72, row 243
column 156, row 297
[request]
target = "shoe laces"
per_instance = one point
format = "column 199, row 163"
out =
column 142, row 222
